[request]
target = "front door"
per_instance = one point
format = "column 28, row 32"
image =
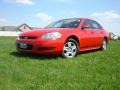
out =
column 87, row 36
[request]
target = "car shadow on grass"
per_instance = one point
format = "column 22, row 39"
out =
column 46, row 57
column 34, row 56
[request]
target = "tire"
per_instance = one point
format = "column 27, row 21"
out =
column 104, row 45
column 70, row 48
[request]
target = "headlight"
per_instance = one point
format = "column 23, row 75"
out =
column 52, row 35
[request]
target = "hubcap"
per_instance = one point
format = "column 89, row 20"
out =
column 70, row 49
column 104, row 46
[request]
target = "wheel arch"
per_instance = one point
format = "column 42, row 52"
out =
column 73, row 37
column 75, row 40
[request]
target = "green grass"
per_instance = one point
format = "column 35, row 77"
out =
column 88, row 71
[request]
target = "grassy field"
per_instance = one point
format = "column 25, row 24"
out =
column 88, row 71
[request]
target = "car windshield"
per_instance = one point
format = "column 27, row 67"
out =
column 66, row 23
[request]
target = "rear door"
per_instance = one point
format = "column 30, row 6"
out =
column 97, row 34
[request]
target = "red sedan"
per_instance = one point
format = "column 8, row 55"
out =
column 66, row 37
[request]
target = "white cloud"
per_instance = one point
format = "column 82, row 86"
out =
column 44, row 18
column 28, row 2
column 109, row 19
column 3, row 20
column 110, row 15
column 24, row 2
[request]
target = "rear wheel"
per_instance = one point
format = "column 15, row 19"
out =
column 70, row 48
column 104, row 45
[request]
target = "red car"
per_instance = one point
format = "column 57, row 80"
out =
column 66, row 37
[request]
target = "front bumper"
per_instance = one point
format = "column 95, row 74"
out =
column 41, row 46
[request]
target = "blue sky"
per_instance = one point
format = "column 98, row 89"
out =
column 38, row 13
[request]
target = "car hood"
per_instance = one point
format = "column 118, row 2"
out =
column 40, row 32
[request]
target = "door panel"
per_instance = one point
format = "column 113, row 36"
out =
column 86, row 35
column 98, row 37
column 86, row 38
column 91, row 37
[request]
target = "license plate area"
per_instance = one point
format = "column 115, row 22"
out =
column 23, row 45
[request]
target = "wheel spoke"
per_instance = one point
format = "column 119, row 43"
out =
column 66, row 48
column 73, row 47
column 69, row 44
column 74, row 50
column 72, row 53
column 67, row 53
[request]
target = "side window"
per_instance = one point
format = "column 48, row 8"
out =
column 96, row 25
column 100, row 27
column 87, row 22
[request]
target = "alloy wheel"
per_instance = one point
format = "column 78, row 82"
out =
column 70, row 49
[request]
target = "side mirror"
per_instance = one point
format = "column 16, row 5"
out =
column 86, row 27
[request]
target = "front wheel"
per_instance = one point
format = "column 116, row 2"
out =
column 70, row 48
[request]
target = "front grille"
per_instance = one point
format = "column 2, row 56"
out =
column 29, row 47
column 27, row 37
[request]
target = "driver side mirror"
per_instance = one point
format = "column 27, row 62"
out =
column 86, row 27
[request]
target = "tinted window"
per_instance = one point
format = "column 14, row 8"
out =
column 96, row 25
column 88, row 22
column 67, row 23
column 93, row 24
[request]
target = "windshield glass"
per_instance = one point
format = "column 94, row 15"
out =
column 66, row 23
